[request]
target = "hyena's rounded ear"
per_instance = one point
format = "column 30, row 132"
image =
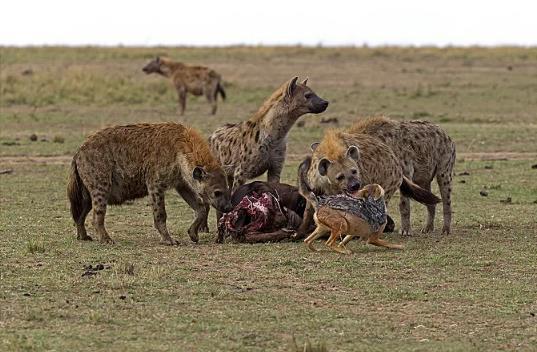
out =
column 291, row 87
column 199, row 173
column 305, row 82
column 323, row 166
column 314, row 146
column 353, row 152
column 157, row 59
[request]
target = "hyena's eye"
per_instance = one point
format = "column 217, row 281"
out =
column 340, row 177
column 308, row 95
column 218, row 194
column 354, row 171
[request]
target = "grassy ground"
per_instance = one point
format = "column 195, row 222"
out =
column 473, row 290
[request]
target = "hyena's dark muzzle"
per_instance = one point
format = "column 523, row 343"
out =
column 353, row 185
column 317, row 105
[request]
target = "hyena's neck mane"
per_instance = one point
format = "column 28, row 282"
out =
column 274, row 117
column 332, row 146
column 195, row 149
column 169, row 67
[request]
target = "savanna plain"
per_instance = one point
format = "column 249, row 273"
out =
column 473, row 290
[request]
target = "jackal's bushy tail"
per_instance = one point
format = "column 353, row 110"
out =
column 76, row 192
column 220, row 89
column 412, row 190
column 303, row 187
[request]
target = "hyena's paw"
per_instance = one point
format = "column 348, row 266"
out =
column 204, row 228
column 106, row 240
column 84, row 238
column 193, row 235
column 446, row 230
column 220, row 238
column 169, row 242
column 406, row 232
column 428, row 228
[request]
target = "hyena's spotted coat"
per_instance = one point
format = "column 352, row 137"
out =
column 196, row 80
column 425, row 152
column 344, row 162
column 247, row 149
column 128, row 162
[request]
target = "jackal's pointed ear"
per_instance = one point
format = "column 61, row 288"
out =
column 314, row 146
column 379, row 192
column 323, row 166
column 305, row 82
column 291, row 88
column 353, row 152
column 199, row 173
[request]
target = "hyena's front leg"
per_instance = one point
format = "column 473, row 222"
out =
column 201, row 209
column 238, row 179
column 276, row 164
column 181, row 93
column 274, row 172
column 219, row 214
column 204, row 227
column 445, row 185
column 159, row 214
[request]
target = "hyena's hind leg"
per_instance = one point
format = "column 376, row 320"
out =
column 210, row 93
column 404, row 203
column 431, row 209
column 81, row 233
column 99, row 200
column 156, row 194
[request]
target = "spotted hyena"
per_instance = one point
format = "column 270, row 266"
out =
column 425, row 152
column 344, row 162
column 128, row 162
column 196, row 80
column 247, row 149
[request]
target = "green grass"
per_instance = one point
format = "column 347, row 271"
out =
column 471, row 291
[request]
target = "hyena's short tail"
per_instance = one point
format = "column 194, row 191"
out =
column 220, row 90
column 412, row 190
column 77, row 193
column 303, row 187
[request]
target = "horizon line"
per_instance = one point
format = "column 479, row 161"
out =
column 274, row 45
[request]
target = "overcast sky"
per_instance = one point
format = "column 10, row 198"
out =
column 227, row 22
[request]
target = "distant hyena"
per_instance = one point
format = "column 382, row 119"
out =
column 196, row 80
column 128, row 162
column 425, row 152
column 247, row 149
column 344, row 162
